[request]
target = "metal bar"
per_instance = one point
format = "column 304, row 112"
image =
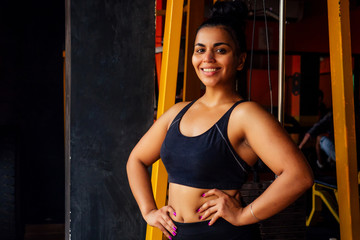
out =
column 195, row 16
column 344, row 120
column 67, row 92
column 167, row 92
column 281, row 68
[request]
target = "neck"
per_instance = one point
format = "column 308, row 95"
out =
column 215, row 96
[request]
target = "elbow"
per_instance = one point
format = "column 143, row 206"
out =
column 304, row 180
column 134, row 165
column 306, row 175
column 128, row 168
column 311, row 181
column 308, row 180
column 129, row 165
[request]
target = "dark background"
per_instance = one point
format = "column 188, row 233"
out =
column 31, row 105
column 112, row 93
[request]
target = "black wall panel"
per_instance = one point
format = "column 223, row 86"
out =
column 110, row 77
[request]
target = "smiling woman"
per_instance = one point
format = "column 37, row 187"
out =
column 215, row 54
column 209, row 145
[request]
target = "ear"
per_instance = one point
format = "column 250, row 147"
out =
column 241, row 63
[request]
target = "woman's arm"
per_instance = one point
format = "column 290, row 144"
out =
column 278, row 151
column 261, row 132
column 144, row 154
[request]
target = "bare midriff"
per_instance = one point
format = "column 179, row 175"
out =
column 187, row 200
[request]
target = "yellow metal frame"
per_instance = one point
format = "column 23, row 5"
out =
column 168, row 77
column 323, row 194
column 344, row 119
column 167, row 93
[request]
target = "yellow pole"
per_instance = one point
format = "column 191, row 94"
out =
column 167, row 93
column 344, row 119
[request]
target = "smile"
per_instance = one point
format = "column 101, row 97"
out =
column 210, row 69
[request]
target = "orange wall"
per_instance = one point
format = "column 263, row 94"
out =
column 260, row 87
column 308, row 35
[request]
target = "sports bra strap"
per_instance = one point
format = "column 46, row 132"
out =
column 223, row 122
column 182, row 112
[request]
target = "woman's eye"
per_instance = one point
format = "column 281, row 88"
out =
column 199, row 50
column 221, row 50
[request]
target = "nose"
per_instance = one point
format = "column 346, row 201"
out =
column 208, row 56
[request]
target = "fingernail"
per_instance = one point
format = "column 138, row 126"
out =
column 209, row 223
column 198, row 210
column 174, row 233
column 174, row 228
column 170, row 238
column 200, row 217
column 203, row 195
column 175, row 214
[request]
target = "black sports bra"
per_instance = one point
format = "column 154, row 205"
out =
column 204, row 161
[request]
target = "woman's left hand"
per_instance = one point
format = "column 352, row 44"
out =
column 225, row 206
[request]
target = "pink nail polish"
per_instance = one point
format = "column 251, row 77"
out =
column 203, row 195
column 170, row 238
column 200, row 217
column 174, row 228
column 174, row 233
column 209, row 223
column 175, row 214
column 198, row 210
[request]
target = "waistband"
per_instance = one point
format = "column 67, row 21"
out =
column 221, row 229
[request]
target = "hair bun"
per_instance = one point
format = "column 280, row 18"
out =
column 231, row 15
column 235, row 10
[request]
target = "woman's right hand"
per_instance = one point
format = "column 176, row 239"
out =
column 160, row 218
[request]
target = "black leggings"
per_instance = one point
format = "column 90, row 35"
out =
column 220, row 230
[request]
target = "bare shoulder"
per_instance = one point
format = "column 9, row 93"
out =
column 250, row 117
column 250, row 111
column 176, row 108
column 171, row 113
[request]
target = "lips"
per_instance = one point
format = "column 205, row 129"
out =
column 209, row 70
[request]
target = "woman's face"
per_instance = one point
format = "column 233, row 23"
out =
column 215, row 59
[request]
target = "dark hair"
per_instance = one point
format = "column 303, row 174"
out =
column 232, row 17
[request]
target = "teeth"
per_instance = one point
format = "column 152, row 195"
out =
column 209, row 69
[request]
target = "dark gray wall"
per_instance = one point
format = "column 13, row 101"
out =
column 110, row 77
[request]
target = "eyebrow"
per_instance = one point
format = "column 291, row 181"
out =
column 215, row 44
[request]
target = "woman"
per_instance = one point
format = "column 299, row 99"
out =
column 208, row 146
